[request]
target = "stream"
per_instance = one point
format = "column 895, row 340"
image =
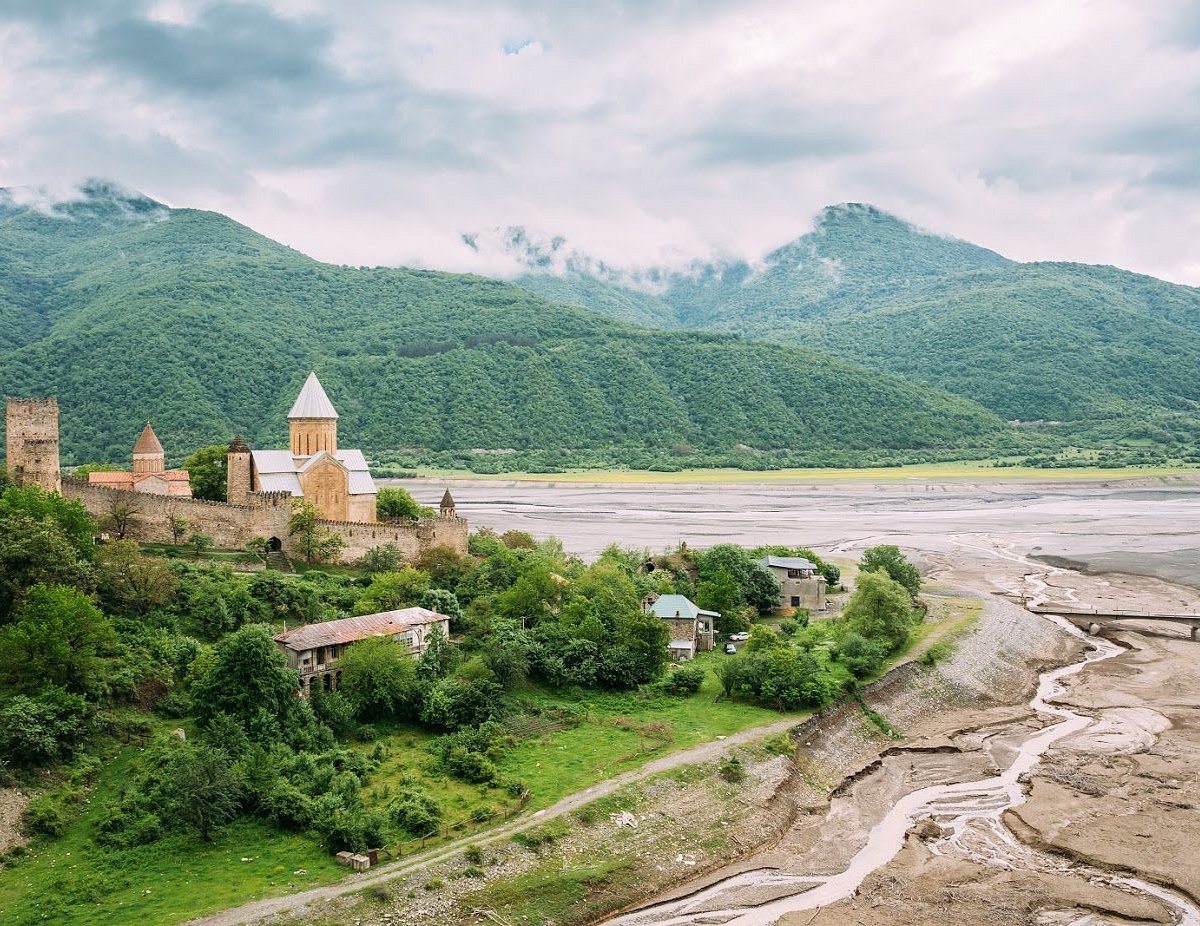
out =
column 969, row 815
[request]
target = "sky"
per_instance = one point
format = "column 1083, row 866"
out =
column 646, row 133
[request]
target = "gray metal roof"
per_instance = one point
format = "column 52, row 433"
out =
column 787, row 562
column 278, row 470
column 312, row 401
column 273, row 461
column 280, row 482
column 678, row 607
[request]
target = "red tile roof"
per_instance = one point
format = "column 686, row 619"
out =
column 353, row 629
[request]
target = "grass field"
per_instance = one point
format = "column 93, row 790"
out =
column 925, row 472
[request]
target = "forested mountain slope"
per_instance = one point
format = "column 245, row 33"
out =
column 127, row 310
column 1108, row 352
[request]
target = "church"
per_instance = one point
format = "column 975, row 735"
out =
column 149, row 472
column 336, row 481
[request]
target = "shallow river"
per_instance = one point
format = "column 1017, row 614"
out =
column 1140, row 529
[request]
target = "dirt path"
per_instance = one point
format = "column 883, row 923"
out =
column 703, row 752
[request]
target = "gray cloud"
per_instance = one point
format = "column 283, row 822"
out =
column 366, row 131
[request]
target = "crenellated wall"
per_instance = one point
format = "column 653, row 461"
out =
column 265, row 515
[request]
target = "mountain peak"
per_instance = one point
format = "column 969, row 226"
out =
column 93, row 199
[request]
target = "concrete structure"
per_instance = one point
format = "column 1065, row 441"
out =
column 692, row 628
column 313, row 650
column 33, row 445
column 149, row 473
column 336, row 481
column 31, row 442
column 800, row 584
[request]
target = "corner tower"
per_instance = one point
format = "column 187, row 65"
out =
column 313, row 420
column 148, row 455
column 31, row 431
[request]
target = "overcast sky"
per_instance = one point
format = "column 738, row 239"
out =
column 376, row 132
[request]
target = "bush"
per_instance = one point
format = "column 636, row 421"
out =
column 939, row 652
column 47, row 815
column 731, row 770
column 861, row 656
column 470, row 766
column 473, row 871
column 415, row 812
column 43, row 729
column 684, row 680
column 473, row 855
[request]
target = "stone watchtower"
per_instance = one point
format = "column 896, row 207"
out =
column 446, row 509
column 237, row 472
column 313, row 420
column 148, row 455
column 32, row 442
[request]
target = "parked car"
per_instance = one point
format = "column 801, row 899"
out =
column 740, row 636
column 730, row 648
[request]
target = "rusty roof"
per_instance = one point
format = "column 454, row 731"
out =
column 353, row 629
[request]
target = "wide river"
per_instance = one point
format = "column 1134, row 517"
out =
column 1152, row 529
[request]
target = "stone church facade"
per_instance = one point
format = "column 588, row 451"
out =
column 260, row 498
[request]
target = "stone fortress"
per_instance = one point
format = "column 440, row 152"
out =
column 261, row 485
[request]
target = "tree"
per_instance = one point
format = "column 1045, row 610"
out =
column 395, row 502
column 42, row 729
column 890, row 560
column 204, row 788
column 391, row 590
column 258, row 546
column 56, row 641
column 121, row 514
column 312, row 540
column 880, row 609
column 443, row 602
column 207, row 472
column 249, row 680
column 439, row 658
column 179, row 525
column 131, row 583
column 379, row 679
column 83, row 469
column 387, row 558
column 199, row 543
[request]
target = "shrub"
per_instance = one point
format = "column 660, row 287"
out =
column 861, row 656
column 415, row 812
column 434, row 884
column 939, row 652
column 731, row 770
column 684, row 680
column 46, row 815
column 473, row 871
column 473, row 855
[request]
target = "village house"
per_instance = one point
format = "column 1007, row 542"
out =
column 313, row 650
column 801, row 585
column 149, row 472
column 692, row 628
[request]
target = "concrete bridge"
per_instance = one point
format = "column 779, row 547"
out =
column 1098, row 615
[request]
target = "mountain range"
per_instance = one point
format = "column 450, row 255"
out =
column 128, row 310
column 1090, row 354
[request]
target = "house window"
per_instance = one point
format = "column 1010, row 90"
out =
column 795, row 601
column 797, row 573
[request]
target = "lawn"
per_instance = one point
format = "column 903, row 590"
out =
column 71, row 881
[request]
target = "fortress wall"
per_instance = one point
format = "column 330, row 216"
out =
column 410, row 539
column 230, row 526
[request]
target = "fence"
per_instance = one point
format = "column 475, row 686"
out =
column 400, row 849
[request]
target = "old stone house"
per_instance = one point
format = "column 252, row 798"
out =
column 692, row 628
column 149, row 473
column 801, row 585
column 314, row 650
column 335, row 480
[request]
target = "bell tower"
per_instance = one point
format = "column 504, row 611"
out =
column 313, row 420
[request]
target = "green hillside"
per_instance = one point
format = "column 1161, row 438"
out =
column 126, row 311
column 1107, row 353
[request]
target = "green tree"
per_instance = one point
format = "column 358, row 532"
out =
column 43, row 539
column 131, row 583
column 443, row 602
column 56, row 641
column 43, row 729
column 395, row 502
column 889, row 559
column 199, row 544
column 379, row 679
column 880, row 609
column 391, row 590
column 178, row 525
column 249, row 680
column 207, row 472
column 312, row 540
column 204, row 788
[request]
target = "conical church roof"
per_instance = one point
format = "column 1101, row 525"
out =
column 447, row 500
column 312, row 401
column 148, row 441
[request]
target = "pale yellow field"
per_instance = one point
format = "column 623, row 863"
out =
column 927, row 472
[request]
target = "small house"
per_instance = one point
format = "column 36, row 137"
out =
column 801, row 584
column 313, row 650
column 692, row 628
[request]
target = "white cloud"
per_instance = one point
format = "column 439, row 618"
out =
column 371, row 132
